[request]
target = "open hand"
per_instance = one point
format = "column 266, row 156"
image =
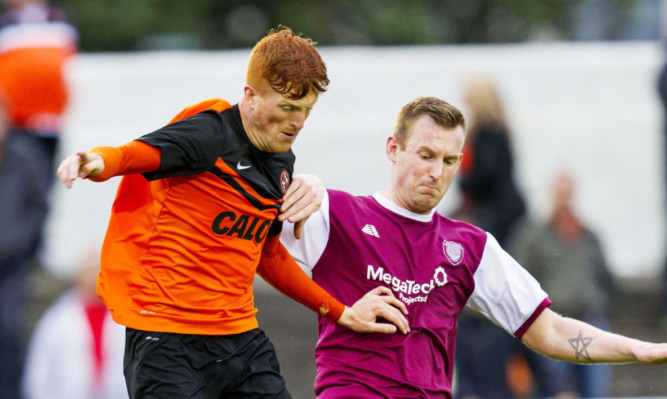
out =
column 379, row 302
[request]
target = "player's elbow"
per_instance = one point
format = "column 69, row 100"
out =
column 542, row 335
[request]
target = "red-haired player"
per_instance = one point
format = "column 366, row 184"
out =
column 196, row 216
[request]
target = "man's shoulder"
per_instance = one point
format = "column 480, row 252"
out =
column 341, row 198
column 346, row 206
column 459, row 225
column 211, row 104
column 340, row 194
column 458, row 232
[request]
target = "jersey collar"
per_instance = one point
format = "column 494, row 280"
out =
column 391, row 206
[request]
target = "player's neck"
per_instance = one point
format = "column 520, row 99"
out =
column 250, row 132
column 390, row 194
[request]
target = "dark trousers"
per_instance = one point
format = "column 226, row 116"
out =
column 12, row 331
column 166, row 365
column 481, row 351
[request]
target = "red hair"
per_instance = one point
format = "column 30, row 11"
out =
column 288, row 63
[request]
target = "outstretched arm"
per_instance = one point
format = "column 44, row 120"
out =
column 102, row 163
column 279, row 269
column 573, row 340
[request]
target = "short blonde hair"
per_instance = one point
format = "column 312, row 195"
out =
column 442, row 113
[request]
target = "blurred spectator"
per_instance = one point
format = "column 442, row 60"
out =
column 76, row 350
column 492, row 201
column 35, row 43
column 22, row 212
column 567, row 259
column 662, row 92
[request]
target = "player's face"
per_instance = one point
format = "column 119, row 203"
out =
column 424, row 170
column 277, row 120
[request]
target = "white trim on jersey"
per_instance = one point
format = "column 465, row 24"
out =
column 314, row 239
column 310, row 247
column 504, row 291
column 387, row 203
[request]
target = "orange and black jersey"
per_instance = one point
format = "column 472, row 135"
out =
column 195, row 145
column 184, row 240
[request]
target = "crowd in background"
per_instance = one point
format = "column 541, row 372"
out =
column 35, row 44
column 562, row 252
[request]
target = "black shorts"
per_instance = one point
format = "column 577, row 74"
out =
column 166, row 365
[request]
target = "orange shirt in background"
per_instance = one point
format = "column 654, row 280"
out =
column 33, row 56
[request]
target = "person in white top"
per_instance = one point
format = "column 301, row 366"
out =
column 76, row 350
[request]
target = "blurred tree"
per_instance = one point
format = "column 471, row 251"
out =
column 122, row 25
column 110, row 25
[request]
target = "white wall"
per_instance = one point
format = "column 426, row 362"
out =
column 590, row 107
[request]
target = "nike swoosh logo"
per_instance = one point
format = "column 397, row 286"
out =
column 241, row 167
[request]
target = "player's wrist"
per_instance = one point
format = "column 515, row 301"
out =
column 333, row 311
column 344, row 318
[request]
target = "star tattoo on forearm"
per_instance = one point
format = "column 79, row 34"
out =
column 579, row 344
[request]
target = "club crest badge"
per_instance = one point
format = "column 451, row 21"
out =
column 453, row 251
column 284, row 181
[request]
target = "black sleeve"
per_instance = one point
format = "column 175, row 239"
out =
column 188, row 146
column 276, row 228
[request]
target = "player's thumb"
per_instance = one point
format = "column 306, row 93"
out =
column 298, row 228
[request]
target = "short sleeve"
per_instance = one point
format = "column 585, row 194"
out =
column 505, row 292
column 188, row 146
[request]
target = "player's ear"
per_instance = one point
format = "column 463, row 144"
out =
column 458, row 163
column 391, row 148
column 250, row 95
